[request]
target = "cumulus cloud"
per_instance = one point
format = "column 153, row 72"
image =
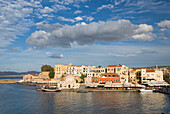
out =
column 165, row 29
column 78, row 18
column 77, row 11
column 56, row 56
column 109, row 6
column 86, row 6
column 46, row 10
column 90, row 18
column 14, row 20
column 165, row 23
column 49, row 27
column 65, row 19
column 82, row 34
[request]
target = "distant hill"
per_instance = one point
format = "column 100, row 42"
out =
column 17, row 73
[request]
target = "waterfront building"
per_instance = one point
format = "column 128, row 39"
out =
column 78, row 70
column 44, row 75
column 97, row 72
column 27, row 77
column 120, row 70
column 107, row 77
column 132, row 76
column 151, row 76
column 68, row 83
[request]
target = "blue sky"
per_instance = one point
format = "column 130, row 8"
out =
column 83, row 32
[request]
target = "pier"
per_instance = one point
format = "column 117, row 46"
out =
column 9, row 80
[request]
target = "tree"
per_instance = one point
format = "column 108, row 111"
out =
column 46, row 68
column 49, row 69
column 51, row 74
column 82, row 77
column 99, row 66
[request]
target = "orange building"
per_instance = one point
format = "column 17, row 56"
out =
column 107, row 77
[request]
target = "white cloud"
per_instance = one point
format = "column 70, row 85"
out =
column 78, row 18
column 56, row 56
column 86, row 6
column 83, row 23
column 46, row 10
column 14, row 20
column 165, row 23
column 109, row 6
column 65, row 19
column 108, row 31
column 88, row 18
column 77, row 11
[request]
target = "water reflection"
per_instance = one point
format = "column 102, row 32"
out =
column 25, row 99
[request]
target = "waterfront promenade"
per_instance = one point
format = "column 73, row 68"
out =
column 9, row 80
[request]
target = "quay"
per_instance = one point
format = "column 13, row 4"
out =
column 9, row 80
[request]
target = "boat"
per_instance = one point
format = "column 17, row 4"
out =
column 48, row 88
column 51, row 90
column 145, row 90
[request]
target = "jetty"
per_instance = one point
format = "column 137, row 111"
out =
column 9, row 80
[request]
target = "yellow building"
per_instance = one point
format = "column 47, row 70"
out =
column 61, row 69
column 114, row 69
column 97, row 72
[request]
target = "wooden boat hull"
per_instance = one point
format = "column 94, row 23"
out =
column 51, row 90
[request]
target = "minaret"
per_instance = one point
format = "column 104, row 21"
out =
column 156, row 67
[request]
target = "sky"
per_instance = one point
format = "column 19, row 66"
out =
column 134, row 33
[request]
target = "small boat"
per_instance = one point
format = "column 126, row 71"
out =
column 51, row 90
column 48, row 88
column 145, row 90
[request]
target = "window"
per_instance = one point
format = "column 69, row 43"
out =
column 109, row 75
column 114, row 80
column 107, row 80
column 113, row 75
column 111, row 80
column 60, row 85
column 108, row 69
column 100, row 80
column 103, row 80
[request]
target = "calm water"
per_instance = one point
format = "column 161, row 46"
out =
column 11, row 77
column 21, row 99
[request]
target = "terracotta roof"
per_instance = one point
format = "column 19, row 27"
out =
column 114, row 66
column 150, row 70
column 143, row 68
column 109, row 74
column 34, row 74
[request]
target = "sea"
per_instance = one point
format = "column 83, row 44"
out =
column 23, row 99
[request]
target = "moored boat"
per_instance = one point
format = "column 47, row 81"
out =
column 51, row 90
column 145, row 90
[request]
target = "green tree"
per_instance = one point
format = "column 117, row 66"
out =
column 99, row 66
column 46, row 68
column 51, row 74
column 49, row 69
column 82, row 77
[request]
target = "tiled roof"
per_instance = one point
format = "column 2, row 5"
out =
column 114, row 66
column 109, row 74
column 150, row 70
